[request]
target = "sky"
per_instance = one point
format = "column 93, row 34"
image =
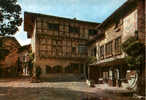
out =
column 88, row 10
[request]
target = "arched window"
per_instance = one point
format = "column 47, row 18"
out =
column 57, row 69
column 48, row 69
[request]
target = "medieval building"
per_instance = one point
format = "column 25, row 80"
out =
column 127, row 21
column 24, row 60
column 9, row 64
column 59, row 44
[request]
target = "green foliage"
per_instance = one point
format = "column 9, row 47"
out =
column 130, row 61
column 135, row 52
column 10, row 18
column 31, row 56
column 133, row 47
column 91, row 59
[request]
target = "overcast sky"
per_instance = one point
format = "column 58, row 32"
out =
column 88, row 10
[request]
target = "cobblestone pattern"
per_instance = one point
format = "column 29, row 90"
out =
column 24, row 90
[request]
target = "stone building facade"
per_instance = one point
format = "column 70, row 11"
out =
column 8, row 66
column 59, row 44
column 127, row 21
column 24, row 60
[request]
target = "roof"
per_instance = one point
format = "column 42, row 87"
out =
column 10, row 38
column 115, row 16
column 108, row 62
column 121, row 12
column 25, row 47
column 29, row 19
column 73, row 19
column 98, row 36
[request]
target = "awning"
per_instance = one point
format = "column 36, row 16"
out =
column 109, row 62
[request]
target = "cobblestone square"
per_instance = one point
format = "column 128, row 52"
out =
column 22, row 89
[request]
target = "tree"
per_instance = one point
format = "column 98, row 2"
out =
column 10, row 18
column 135, row 51
column 91, row 59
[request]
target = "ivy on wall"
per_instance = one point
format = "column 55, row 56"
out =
column 91, row 59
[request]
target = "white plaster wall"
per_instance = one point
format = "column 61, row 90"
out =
column 129, row 25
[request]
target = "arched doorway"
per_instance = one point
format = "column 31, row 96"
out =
column 57, row 69
column 48, row 69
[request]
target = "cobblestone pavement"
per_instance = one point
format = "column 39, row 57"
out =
column 22, row 89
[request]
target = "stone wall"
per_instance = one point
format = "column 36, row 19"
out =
column 9, row 64
column 55, row 47
column 111, row 33
column 141, row 20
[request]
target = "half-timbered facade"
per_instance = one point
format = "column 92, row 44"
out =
column 59, row 43
column 125, row 22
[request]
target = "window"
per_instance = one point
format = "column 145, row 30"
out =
column 74, row 50
column 74, row 30
column 136, row 34
column 83, row 50
column 118, row 45
column 109, row 49
column 54, row 42
column 92, row 32
column 93, row 52
column 118, row 23
column 101, row 51
column 53, row 26
column 59, row 51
